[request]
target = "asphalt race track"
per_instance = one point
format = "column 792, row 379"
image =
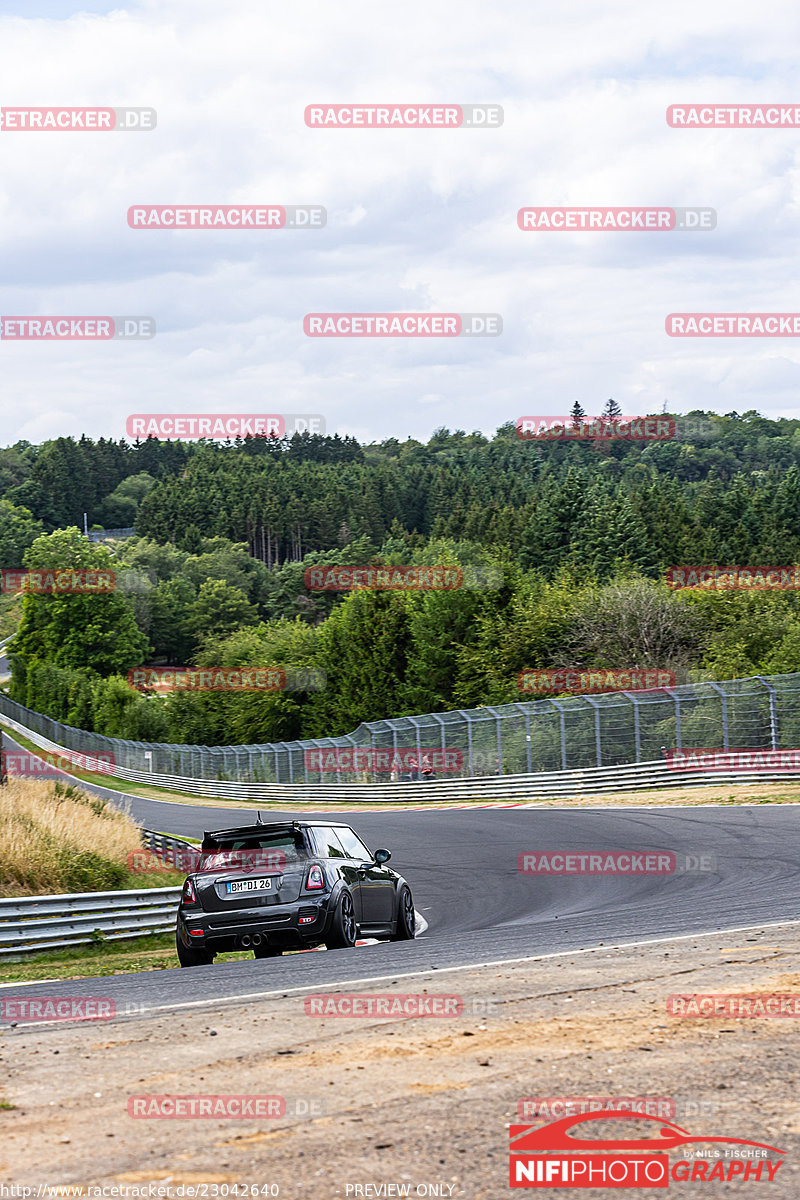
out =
column 462, row 868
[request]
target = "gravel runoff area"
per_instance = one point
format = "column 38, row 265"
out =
column 409, row 1106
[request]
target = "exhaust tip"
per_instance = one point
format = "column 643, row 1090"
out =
column 246, row 940
column 256, row 939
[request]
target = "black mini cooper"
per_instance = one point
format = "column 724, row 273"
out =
column 289, row 885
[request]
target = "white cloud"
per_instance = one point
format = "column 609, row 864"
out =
column 418, row 220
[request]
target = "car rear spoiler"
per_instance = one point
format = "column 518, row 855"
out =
column 213, row 838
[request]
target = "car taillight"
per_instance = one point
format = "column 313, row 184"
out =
column 188, row 895
column 315, row 879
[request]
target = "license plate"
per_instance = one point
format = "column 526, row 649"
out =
column 248, row 885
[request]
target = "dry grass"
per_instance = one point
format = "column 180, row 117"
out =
column 56, row 838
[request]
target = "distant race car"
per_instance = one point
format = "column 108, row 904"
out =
column 289, row 885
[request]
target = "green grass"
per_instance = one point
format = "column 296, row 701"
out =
column 153, row 953
column 57, row 838
column 136, row 881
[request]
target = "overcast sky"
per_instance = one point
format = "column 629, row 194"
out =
column 418, row 220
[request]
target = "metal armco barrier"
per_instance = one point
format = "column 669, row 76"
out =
column 161, row 842
column 32, row 923
column 514, row 788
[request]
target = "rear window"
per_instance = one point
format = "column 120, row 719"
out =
column 263, row 850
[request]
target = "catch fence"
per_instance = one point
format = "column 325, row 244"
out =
column 575, row 733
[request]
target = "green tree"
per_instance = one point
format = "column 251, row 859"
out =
column 219, row 610
column 172, row 616
column 122, row 712
column 93, row 631
column 558, row 512
column 577, row 413
column 252, row 716
column 363, row 650
column 18, row 531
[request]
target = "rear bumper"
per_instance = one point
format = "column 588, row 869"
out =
column 303, row 922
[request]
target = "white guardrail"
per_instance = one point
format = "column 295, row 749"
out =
column 543, row 785
column 34, row 923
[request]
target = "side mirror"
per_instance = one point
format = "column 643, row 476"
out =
column 382, row 856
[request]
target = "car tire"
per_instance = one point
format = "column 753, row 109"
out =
column 265, row 951
column 188, row 956
column 406, row 917
column 342, row 933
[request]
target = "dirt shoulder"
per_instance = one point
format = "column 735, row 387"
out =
column 416, row 1101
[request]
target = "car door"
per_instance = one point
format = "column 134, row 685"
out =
column 330, row 847
column 377, row 883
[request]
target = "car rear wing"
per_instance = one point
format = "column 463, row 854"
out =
column 217, row 839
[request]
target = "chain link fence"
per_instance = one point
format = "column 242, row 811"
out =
column 108, row 535
column 571, row 733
